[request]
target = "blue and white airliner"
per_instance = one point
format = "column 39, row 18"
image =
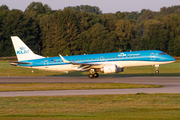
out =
column 104, row 62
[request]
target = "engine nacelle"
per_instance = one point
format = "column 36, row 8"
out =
column 111, row 69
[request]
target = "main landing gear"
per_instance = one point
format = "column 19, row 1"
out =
column 157, row 71
column 95, row 75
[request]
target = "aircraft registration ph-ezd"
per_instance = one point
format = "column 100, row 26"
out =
column 104, row 62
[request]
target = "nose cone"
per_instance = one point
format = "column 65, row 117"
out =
column 169, row 58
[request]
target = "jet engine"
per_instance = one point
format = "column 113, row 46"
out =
column 111, row 69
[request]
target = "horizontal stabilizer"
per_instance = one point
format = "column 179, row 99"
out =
column 14, row 63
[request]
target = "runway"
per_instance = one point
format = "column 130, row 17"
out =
column 172, row 85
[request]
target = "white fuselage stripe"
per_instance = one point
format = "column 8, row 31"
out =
column 121, row 64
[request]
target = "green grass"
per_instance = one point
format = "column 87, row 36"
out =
column 140, row 106
column 172, row 69
column 70, row 86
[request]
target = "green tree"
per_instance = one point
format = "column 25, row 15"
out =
column 16, row 23
column 156, row 35
column 85, row 8
column 39, row 14
column 172, row 24
column 108, row 20
column 125, row 30
column 170, row 10
column 3, row 13
column 87, row 20
column 120, row 15
column 102, row 40
column 132, row 15
column 145, row 15
column 62, row 34
column 38, row 7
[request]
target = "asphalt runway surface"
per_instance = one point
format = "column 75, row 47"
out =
column 171, row 85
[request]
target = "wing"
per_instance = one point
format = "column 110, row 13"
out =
column 84, row 66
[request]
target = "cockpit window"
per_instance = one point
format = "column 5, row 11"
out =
column 162, row 53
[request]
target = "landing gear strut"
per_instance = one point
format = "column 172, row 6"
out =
column 95, row 75
column 157, row 71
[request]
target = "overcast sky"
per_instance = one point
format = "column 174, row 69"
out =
column 106, row 6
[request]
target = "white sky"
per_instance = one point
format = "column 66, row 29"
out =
column 106, row 6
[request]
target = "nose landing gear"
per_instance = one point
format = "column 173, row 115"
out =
column 157, row 71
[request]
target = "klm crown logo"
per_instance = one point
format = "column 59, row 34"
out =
column 122, row 54
column 22, row 50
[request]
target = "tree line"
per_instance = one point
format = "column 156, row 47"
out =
column 85, row 29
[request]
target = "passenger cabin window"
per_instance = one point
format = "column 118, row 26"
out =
column 93, row 58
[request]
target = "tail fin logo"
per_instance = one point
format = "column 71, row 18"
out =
column 22, row 50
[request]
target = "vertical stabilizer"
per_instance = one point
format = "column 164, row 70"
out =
column 22, row 50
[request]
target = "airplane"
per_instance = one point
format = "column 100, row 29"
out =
column 94, row 63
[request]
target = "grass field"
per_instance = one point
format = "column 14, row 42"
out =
column 140, row 106
column 70, row 86
column 172, row 69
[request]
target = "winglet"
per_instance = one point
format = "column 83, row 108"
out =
column 64, row 60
